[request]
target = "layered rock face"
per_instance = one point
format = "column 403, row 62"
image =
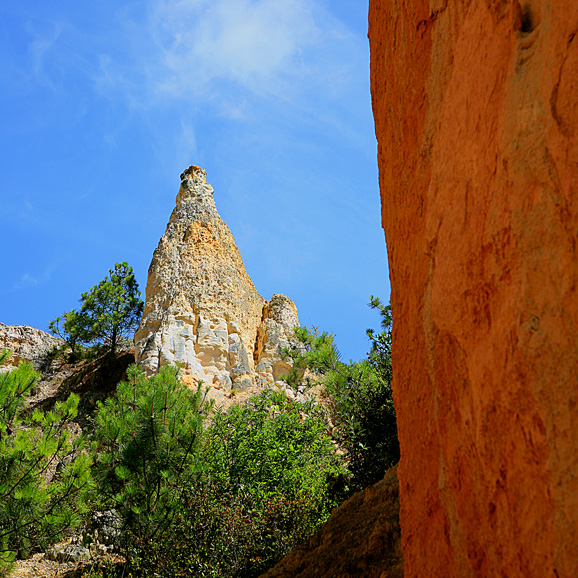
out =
column 26, row 344
column 202, row 310
column 476, row 112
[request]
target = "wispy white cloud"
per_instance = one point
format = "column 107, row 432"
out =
column 214, row 50
column 253, row 61
column 26, row 281
column 40, row 48
column 257, row 44
column 36, row 276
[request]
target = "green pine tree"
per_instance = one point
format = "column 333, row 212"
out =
column 109, row 311
column 113, row 308
column 44, row 474
column 147, row 437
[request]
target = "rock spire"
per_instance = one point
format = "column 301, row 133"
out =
column 202, row 310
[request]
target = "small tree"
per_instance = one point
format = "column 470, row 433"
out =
column 113, row 308
column 109, row 311
column 44, row 474
column 147, row 437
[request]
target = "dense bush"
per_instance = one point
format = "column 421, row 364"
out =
column 271, row 466
column 365, row 424
column 44, row 474
column 222, row 534
column 359, row 397
column 272, row 445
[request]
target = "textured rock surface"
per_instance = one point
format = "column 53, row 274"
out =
column 362, row 538
column 26, row 344
column 275, row 331
column 476, row 114
column 202, row 309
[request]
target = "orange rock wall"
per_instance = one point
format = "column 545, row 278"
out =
column 476, row 113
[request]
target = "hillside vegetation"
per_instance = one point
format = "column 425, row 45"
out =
column 194, row 490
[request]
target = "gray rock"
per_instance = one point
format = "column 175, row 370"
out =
column 67, row 553
column 106, row 527
column 26, row 344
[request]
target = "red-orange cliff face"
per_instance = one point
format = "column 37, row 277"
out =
column 476, row 112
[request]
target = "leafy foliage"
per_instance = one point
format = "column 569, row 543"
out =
column 218, row 533
column 365, row 423
column 44, row 474
column 269, row 469
column 311, row 353
column 148, row 437
column 272, row 445
column 359, row 396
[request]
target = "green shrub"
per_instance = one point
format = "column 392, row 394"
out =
column 272, row 445
column 362, row 411
column 269, row 468
column 44, row 474
column 359, row 397
column 219, row 534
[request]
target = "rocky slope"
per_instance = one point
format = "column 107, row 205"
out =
column 476, row 115
column 202, row 310
column 26, row 344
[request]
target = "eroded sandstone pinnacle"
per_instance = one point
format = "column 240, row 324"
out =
column 202, row 310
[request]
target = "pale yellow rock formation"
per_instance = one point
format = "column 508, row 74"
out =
column 274, row 335
column 202, row 310
column 26, row 344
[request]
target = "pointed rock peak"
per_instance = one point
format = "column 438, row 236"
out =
column 194, row 187
column 194, row 172
column 202, row 310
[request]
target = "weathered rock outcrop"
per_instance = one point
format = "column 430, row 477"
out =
column 26, row 344
column 202, row 310
column 476, row 112
column 273, row 336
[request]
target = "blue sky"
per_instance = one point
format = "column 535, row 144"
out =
column 103, row 104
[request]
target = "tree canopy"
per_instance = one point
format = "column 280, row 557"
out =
column 109, row 311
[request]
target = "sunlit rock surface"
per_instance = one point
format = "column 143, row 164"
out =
column 476, row 113
column 26, row 344
column 202, row 310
